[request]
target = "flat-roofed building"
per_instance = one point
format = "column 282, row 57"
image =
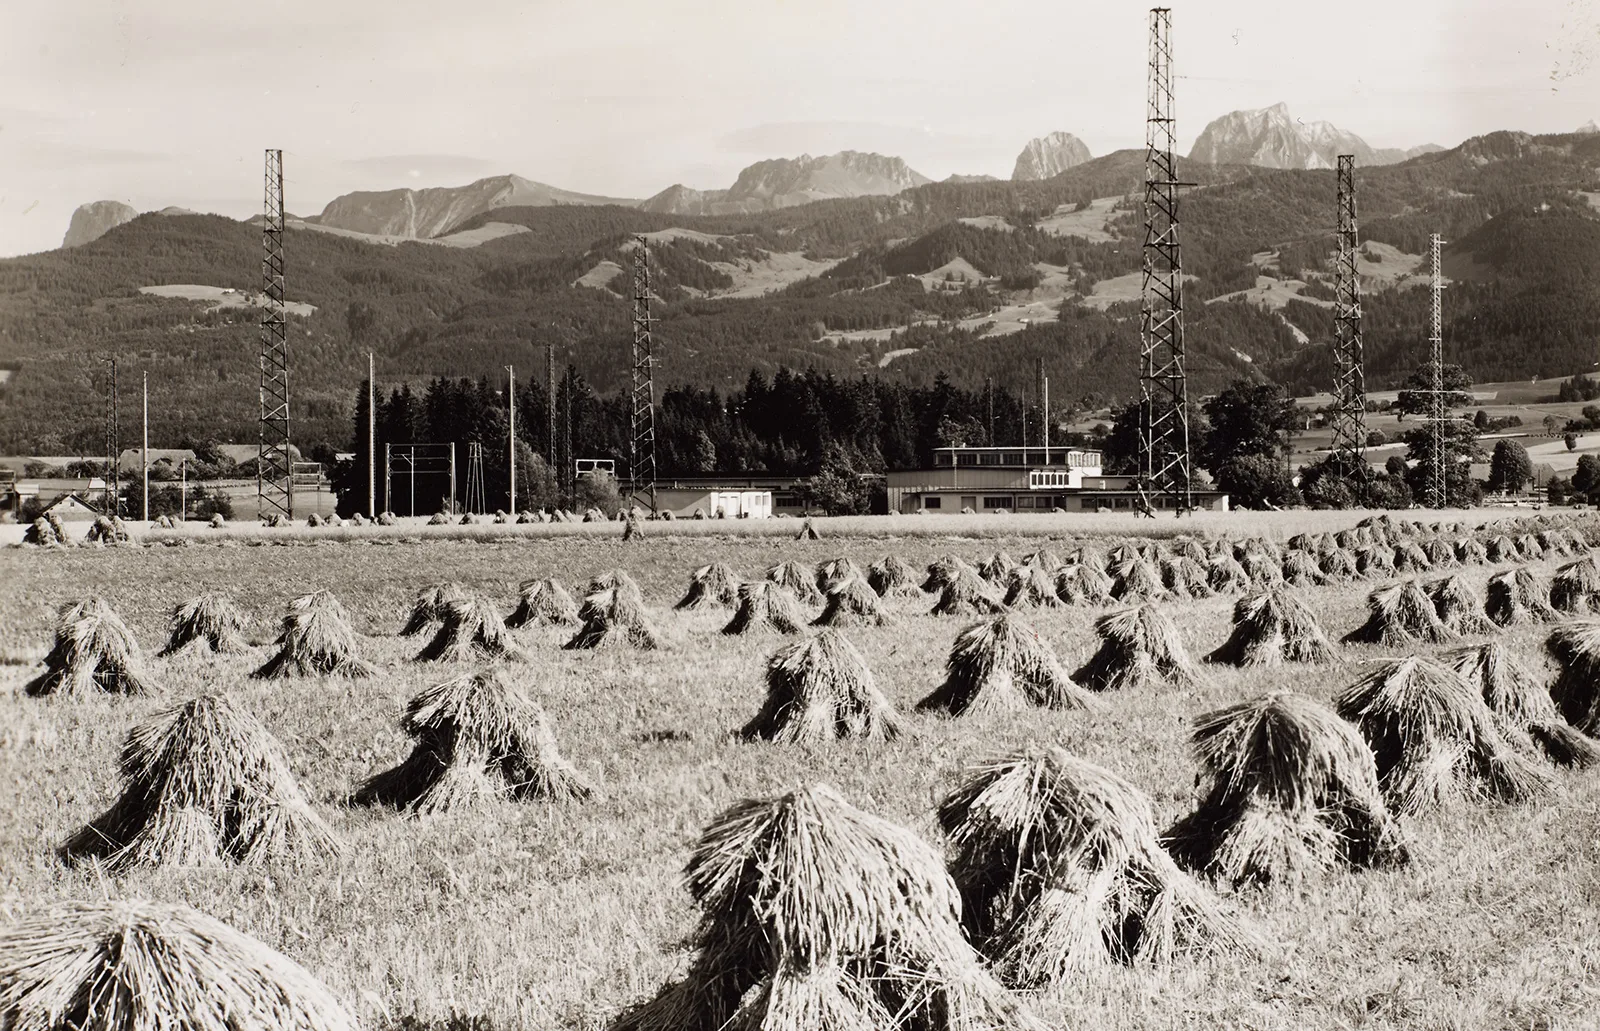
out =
column 1021, row 479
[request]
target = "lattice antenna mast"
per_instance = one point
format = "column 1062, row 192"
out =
column 642, row 454
column 1349, row 377
column 274, row 473
column 1438, row 495
column 1164, row 467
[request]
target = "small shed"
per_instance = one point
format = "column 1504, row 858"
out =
column 72, row 508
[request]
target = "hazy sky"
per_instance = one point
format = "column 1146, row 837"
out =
column 158, row 102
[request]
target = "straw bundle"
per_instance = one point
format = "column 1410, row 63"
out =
column 817, row 916
column 105, row 530
column 211, row 620
column 1339, row 566
column 1501, row 548
column 1300, row 569
column 1138, row 646
column 1515, row 596
column 151, row 966
column 1435, row 740
column 1350, row 540
column 429, row 607
column 1082, row 583
column 1575, row 646
column 1133, row 578
column 851, row 602
column 1576, row 586
column 1030, row 587
column 800, row 580
column 1290, row 789
column 1401, row 613
column 438, row 519
column 43, row 534
column 1374, row 562
column 944, row 571
column 765, row 606
column 1271, row 628
column 997, row 567
column 1528, row 546
column 204, row 782
column 478, row 737
column 1045, row 559
column 386, row 519
column 1262, row 567
column 1471, row 552
column 894, row 577
column 1440, row 552
column 614, row 616
column 472, row 628
column 1189, row 548
column 1183, row 577
column 1411, row 558
column 964, row 593
column 1226, row 575
column 619, row 580
column 820, row 689
column 1513, row 692
column 632, row 527
column 316, row 641
column 1004, row 663
column 94, row 651
column 1554, row 541
column 808, row 531
column 1061, row 872
column 542, row 603
column 1458, row 606
column 837, row 571
column 711, row 586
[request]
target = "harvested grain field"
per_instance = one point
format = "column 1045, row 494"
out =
column 536, row 914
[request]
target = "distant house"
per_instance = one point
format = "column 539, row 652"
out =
column 128, row 461
column 73, row 508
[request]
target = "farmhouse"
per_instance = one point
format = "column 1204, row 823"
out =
column 1020, row 479
column 731, row 497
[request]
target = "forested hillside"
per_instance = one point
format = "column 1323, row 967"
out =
column 971, row 281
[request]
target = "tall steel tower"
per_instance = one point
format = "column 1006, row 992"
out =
column 1438, row 494
column 1164, row 468
column 274, row 467
column 642, row 453
column 1349, row 378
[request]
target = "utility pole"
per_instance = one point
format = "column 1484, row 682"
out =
column 372, row 442
column 550, row 391
column 1438, row 494
column 144, row 450
column 511, row 435
column 1164, row 469
column 113, row 444
column 1349, row 378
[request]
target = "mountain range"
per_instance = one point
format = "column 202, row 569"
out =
column 1267, row 138
column 1270, row 137
column 964, row 279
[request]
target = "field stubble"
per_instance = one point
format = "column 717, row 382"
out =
column 538, row 916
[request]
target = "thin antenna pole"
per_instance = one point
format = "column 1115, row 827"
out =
column 550, row 407
column 113, row 444
column 1164, row 467
column 1438, row 495
column 144, row 450
column 388, row 474
column 372, row 442
column 511, row 435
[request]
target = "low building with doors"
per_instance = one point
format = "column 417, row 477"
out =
column 1021, row 479
column 729, row 497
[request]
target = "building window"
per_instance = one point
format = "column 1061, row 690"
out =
column 989, row 458
column 1024, row 501
column 1012, row 458
column 966, row 458
column 996, row 502
column 932, row 501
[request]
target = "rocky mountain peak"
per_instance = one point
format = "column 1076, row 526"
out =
column 1049, row 156
column 97, row 218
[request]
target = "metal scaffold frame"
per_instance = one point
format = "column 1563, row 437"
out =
column 1349, row 449
column 1164, row 459
column 274, row 469
column 642, row 449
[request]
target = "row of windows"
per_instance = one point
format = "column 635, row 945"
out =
column 1072, row 459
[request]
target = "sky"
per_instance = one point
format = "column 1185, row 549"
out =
column 171, row 102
